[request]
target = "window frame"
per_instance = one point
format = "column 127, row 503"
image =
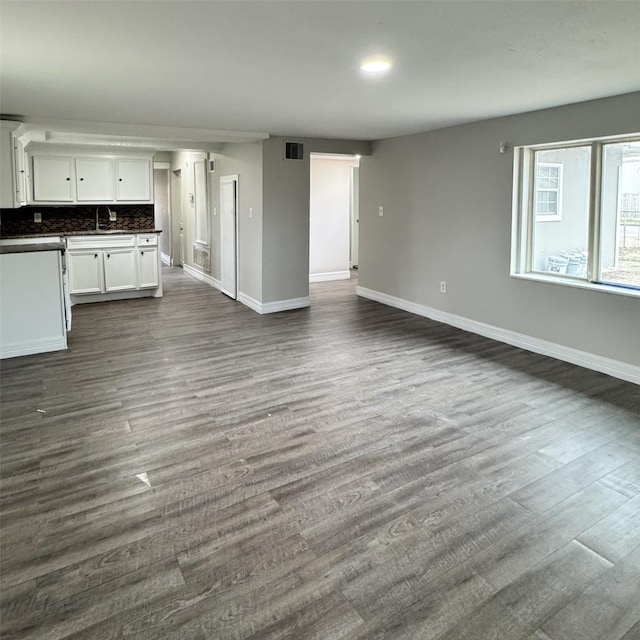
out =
column 524, row 216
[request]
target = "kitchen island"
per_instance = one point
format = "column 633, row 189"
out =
column 32, row 300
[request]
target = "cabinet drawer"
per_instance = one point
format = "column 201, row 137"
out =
column 147, row 239
column 100, row 242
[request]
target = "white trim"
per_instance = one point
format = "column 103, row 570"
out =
column 34, row 346
column 203, row 277
column 165, row 258
column 129, row 294
column 615, row 368
column 568, row 281
column 286, row 305
column 329, row 275
column 250, row 302
column 273, row 307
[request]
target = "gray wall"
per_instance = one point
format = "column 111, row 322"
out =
column 285, row 241
column 245, row 161
column 161, row 208
column 447, row 216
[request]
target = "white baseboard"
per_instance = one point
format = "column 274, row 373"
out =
column 286, row 305
column 330, row 275
column 33, row 346
column 615, row 368
column 250, row 302
column 88, row 298
column 165, row 259
column 203, row 277
column 273, row 307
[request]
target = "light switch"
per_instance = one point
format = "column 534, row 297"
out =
column 380, row 211
column 37, row 216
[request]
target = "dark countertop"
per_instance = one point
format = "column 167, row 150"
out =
column 65, row 234
column 31, row 247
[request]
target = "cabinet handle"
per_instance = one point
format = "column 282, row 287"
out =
column 95, row 255
column 119, row 179
column 142, row 253
column 108, row 255
column 81, row 179
column 68, row 179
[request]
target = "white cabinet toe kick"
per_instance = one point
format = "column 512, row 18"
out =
column 113, row 267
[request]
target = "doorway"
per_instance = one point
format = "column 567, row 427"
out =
column 333, row 216
column 229, row 235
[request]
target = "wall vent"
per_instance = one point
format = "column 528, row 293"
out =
column 294, row 150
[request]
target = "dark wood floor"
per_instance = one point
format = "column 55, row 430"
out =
column 190, row 469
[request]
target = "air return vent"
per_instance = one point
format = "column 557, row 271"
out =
column 293, row 150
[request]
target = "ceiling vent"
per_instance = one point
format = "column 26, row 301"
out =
column 294, row 150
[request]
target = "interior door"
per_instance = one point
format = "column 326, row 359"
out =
column 229, row 235
column 354, row 207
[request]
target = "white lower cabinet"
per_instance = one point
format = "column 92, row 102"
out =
column 113, row 263
column 148, row 267
column 85, row 271
column 119, row 270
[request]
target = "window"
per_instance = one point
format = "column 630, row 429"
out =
column 576, row 216
column 548, row 201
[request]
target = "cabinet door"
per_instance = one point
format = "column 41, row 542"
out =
column 85, row 271
column 147, row 268
column 119, row 269
column 133, row 179
column 20, row 168
column 52, row 179
column 94, row 179
column 7, row 181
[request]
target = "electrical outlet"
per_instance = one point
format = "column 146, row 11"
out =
column 37, row 216
column 381, row 211
column 443, row 286
column 215, row 211
column 112, row 216
column 251, row 212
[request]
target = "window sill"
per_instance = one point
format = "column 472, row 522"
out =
column 579, row 284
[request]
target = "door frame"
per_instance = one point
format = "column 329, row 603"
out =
column 230, row 179
column 166, row 166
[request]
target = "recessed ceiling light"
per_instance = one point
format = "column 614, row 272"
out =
column 375, row 65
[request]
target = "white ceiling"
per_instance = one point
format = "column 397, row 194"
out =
column 292, row 67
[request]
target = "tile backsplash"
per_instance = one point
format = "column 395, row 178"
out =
column 19, row 222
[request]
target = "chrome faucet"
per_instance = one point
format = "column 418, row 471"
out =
column 97, row 215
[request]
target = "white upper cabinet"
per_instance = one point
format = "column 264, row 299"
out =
column 13, row 192
column 53, row 179
column 87, row 178
column 94, row 179
column 133, row 179
column 7, row 177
